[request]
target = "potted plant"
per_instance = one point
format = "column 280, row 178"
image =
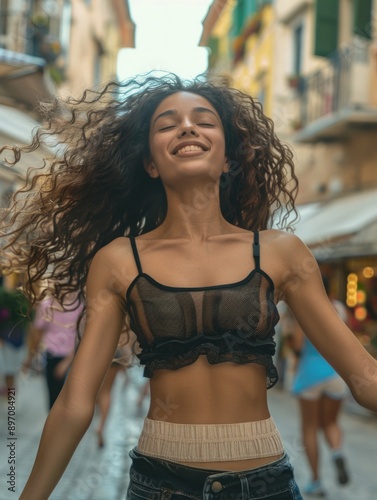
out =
column 14, row 317
column 294, row 81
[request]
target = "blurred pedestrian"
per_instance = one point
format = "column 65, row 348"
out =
column 321, row 392
column 14, row 321
column 53, row 334
column 161, row 207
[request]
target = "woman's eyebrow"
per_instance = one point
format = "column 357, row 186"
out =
column 201, row 109
column 165, row 113
column 170, row 112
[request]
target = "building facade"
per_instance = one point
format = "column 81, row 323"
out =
column 313, row 65
column 52, row 48
column 242, row 48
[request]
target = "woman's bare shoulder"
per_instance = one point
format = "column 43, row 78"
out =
column 118, row 246
column 277, row 237
column 284, row 254
column 118, row 260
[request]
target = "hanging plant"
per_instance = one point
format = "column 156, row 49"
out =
column 40, row 19
column 14, row 317
column 294, row 81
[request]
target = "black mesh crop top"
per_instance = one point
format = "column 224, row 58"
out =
column 233, row 322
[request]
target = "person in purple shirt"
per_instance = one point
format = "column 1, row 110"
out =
column 54, row 331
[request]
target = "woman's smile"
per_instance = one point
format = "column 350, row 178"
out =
column 185, row 126
column 190, row 150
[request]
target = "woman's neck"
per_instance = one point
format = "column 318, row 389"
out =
column 194, row 217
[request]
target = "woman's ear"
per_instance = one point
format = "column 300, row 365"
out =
column 226, row 166
column 151, row 169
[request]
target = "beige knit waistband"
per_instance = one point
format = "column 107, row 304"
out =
column 210, row 442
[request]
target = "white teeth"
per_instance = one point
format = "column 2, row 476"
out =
column 190, row 148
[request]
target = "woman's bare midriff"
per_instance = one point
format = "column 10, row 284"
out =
column 201, row 393
column 236, row 465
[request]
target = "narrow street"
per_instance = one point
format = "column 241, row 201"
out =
column 193, row 125
column 102, row 474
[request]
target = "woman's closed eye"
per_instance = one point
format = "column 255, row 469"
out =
column 172, row 125
column 167, row 127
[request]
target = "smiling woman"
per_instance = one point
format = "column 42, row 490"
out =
column 102, row 176
column 186, row 127
column 166, row 193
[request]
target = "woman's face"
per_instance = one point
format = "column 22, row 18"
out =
column 186, row 140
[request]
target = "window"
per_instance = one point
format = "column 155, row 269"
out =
column 238, row 17
column 250, row 7
column 242, row 11
column 4, row 13
column 362, row 18
column 213, row 44
column 297, row 49
column 326, row 27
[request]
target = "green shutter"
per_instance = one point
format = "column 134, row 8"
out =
column 238, row 18
column 362, row 18
column 213, row 44
column 250, row 8
column 326, row 27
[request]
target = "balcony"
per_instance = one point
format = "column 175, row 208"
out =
column 23, row 80
column 336, row 98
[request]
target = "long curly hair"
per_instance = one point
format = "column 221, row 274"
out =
column 94, row 188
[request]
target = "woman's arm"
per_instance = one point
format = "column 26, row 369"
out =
column 73, row 411
column 304, row 292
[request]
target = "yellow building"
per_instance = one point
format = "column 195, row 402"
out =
column 216, row 28
column 50, row 48
column 242, row 41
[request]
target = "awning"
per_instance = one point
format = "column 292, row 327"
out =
column 23, row 79
column 14, row 63
column 336, row 228
column 361, row 244
column 15, row 126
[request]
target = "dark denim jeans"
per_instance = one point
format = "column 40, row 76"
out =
column 155, row 479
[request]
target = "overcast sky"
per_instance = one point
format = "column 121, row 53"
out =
column 167, row 36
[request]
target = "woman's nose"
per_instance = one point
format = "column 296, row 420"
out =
column 188, row 128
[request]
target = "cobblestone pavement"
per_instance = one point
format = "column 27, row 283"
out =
column 102, row 474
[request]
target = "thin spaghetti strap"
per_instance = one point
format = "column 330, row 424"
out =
column 256, row 250
column 136, row 254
